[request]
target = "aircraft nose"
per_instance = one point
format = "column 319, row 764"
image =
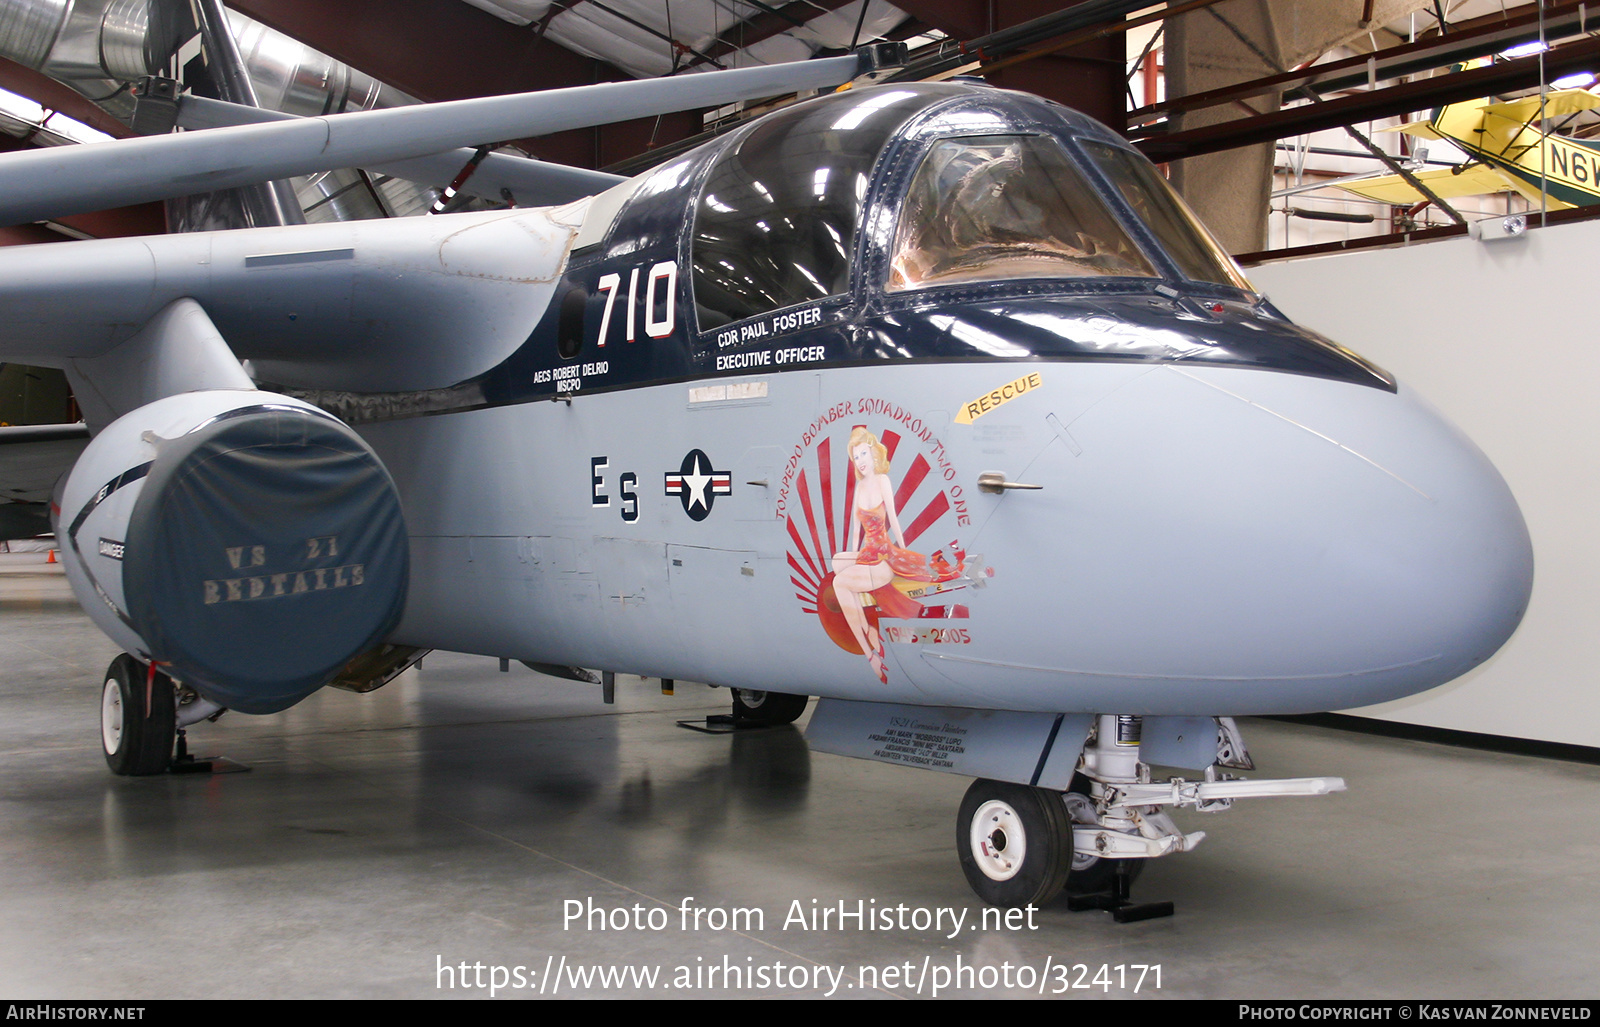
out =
column 1428, row 552
column 1402, row 557
column 1262, row 542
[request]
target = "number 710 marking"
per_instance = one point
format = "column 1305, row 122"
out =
column 611, row 282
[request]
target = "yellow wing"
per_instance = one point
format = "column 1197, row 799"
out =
column 1557, row 103
column 1421, row 129
column 1444, row 182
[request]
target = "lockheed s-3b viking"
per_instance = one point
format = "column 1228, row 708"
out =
column 930, row 400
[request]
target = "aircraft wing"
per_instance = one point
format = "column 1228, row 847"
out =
column 1444, row 182
column 33, row 456
column 1556, row 103
column 1420, row 129
column 62, row 180
column 388, row 305
column 532, row 182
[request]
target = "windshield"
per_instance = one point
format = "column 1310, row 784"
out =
column 1001, row 207
column 1196, row 252
column 776, row 221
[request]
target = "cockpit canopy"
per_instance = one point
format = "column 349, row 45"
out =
column 992, row 197
column 777, row 217
column 996, row 207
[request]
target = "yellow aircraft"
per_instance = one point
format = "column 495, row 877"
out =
column 1506, row 151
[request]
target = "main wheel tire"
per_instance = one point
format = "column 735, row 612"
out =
column 767, row 708
column 1015, row 843
column 137, row 735
column 1090, row 875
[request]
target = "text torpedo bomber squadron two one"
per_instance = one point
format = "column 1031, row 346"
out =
column 941, row 386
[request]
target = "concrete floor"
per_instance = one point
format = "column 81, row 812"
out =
column 449, row 817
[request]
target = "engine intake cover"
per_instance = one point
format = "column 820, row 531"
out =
column 265, row 549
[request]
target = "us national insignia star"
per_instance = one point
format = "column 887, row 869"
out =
column 697, row 485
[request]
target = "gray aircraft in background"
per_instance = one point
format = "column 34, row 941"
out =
column 930, row 400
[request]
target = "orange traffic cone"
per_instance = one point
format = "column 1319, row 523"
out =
column 51, row 558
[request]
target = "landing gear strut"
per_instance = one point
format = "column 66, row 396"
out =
column 1093, row 874
column 1022, row 845
column 138, row 718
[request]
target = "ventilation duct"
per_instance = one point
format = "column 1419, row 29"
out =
column 92, row 45
column 98, row 46
column 291, row 77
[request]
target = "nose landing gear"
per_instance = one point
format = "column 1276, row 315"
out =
column 1015, row 843
column 1021, row 845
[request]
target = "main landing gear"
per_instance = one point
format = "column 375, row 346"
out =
column 767, row 709
column 1021, row 845
column 752, row 708
column 138, row 718
column 143, row 714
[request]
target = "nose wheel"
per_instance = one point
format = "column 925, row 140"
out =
column 1020, row 845
column 138, row 718
column 1015, row 843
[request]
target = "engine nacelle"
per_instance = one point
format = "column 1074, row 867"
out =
column 247, row 542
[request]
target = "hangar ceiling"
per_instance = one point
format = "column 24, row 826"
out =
column 647, row 39
column 1248, row 74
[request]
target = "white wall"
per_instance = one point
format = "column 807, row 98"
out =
column 1504, row 337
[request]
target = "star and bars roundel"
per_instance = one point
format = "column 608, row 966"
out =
column 697, row 485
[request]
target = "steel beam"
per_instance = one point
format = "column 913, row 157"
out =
column 1089, row 76
column 449, row 50
column 765, row 25
column 432, row 49
column 958, row 19
column 28, row 235
column 52, row 95
column 143, row 219
column 139, row 219
column 1408, row 59
column 1393, row 101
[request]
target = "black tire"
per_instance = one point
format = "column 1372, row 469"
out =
column 137, row 737
column 767, row 708
column 1091, row 875
column 1000, row 820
